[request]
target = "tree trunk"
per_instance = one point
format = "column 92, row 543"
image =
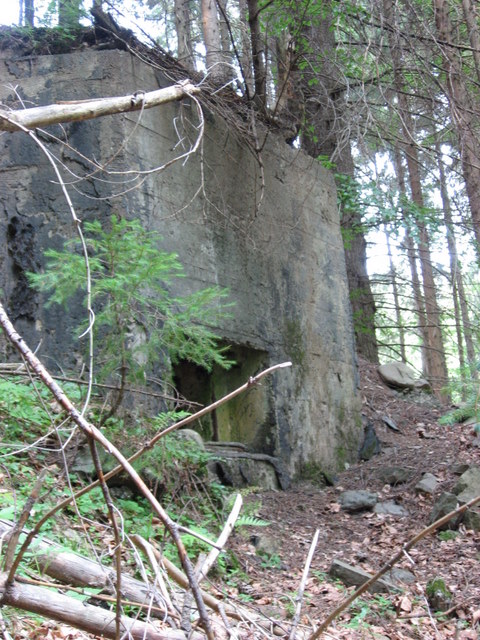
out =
column 29, row 13
column 361, row 297
column 471, row 18
column 69, row 13
column 459, row 298
column 289, row 108
column 246, row 51
column 464, row 113
column 435, row 353
column 211, row 37
column 436, row 362
column 412, row 261
column 396, row 296
column 257, row 44
column 226, row 41
column 184, row 34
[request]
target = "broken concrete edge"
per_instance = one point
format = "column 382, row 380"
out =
column 284, row 480
column 352, row 576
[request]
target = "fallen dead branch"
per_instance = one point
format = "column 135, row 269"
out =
column 74, row 569
column 88, row 109
column 17, row 528
column 93, row 433
column 18, row 595
column 301, row 588
column 222, row 539
column 87, row 617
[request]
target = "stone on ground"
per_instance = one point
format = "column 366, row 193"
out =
column 355, row 501
column 400, row 376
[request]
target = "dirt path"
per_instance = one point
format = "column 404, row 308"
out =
column 367, row 540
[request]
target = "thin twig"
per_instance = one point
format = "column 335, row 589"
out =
column 198, row 535
column 301, row 588
column 3, row 628
column 148, row 550
column 222, row 539
column 90, row 430
column 64, row 503
column 17, row 529
column 181, row 579
column 386, row 567
column 8, row 369
column 116, row 534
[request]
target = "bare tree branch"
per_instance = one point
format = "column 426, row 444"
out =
column 88, row 109
column 91, row 431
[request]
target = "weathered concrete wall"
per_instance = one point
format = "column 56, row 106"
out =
column 284, row 264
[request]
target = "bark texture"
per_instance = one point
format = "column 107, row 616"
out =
column 463, row 107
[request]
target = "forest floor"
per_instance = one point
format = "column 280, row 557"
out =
column 268, row 584
column 368, row 540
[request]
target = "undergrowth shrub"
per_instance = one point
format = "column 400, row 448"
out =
column 140, row 325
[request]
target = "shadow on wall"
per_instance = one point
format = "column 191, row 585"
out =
column 248, row 418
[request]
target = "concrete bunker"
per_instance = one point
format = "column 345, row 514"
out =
column 283, row 263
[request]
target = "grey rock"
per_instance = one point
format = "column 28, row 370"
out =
column 192, row 436
column 439, row 597
column 447, row 502
column 390, row 423
column 266, row 544
column 468, row 485
column 394, row 475
column 427, row 484
column 353, row 576
column 471, row 520
column 354, row 501
column 390, row 509
column 401, row 376
column 243, row 469
column 460, row 468
column 399, row 576
column 122, row 492
column 371, row 444
column 225, row 448
column 83, row 462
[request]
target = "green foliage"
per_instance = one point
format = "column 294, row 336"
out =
column 251, row 521
column 465, row 412
column 377, row 606
column 326, row 162
column 273, row 561
column 24, row 409
column 314, row 473
column 139, row 322
column 445, row 536
column 437, row 585
column 178, row 463
column 67, row 14
column 20, row 409
column 349, row 194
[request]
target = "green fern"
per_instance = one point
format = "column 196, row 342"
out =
column 461, row 414
column 251, row 521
